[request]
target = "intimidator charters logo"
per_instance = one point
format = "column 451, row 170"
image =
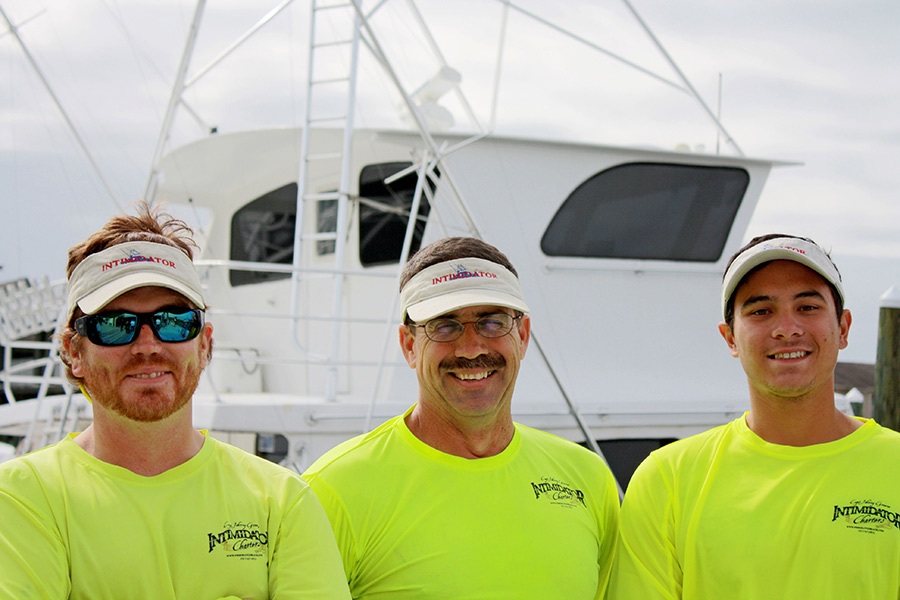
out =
column 135, row 257
column 869, row 516
column 461, row 273
column 557, row 492
column 240, row 539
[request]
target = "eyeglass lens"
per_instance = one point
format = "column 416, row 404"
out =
column 117, row 328
column 489, row 326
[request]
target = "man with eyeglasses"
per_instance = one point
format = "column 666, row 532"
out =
column 141, row 504
column 794, row 499
column 453, row 499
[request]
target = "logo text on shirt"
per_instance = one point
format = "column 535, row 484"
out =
column 240, row 539
column 869, row 516
column 557, row 492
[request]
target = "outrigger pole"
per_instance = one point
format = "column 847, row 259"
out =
column 15, row 32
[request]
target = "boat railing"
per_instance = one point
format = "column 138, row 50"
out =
column 295, row 316
column 29, row 311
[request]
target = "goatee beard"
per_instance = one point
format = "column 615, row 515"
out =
column 149, row 405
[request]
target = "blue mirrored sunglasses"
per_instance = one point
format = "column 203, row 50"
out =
column 121, row 327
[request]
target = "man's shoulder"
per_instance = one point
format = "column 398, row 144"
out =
column 886, row 434
column 229, row 452
column 230, row 458
column 882, row 438
column 48, row 457
column 544, row 439
column 559, row 449
column 357, row 452
column 38, row 474
column 693, row 446
column 679, row 465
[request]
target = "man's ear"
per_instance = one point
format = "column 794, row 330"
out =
column 408, row 345
column 206, row 341
column 523, row 331
column 728, row 334
column 73, row 353
column 845, row 321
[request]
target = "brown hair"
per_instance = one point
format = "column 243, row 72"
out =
column 452, row 248
column 148, row 225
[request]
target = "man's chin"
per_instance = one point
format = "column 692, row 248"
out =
column 150, row 408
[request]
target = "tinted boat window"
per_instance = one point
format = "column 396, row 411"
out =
column 384, row 212
column 326, row 222
column 649, row 211
column 263, row 231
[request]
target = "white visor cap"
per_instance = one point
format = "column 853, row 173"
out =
column 460, row 283
column 102, row 277
column 798, row 250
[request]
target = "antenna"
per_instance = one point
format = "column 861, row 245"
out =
column 719, row 114
column 15, row 32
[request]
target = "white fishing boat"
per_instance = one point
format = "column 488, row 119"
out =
column 303, row 232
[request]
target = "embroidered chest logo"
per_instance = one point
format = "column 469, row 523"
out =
column 554, row 491
column 241, row 540
column 867, row 516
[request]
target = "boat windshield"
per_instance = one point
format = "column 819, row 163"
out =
column 649, row 211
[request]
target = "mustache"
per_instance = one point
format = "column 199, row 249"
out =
column 142, row 361
column 485, row 361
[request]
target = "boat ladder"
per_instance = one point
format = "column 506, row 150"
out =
column 30, row 310
column 333, row 60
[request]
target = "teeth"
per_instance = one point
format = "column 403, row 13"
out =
column 149, row 375
column 790, row 355
column 472, row 376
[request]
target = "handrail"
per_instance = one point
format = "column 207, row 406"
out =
column 29, row 308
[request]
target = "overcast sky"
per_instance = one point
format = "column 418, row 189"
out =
column 805, row 82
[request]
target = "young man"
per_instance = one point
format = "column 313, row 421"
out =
column 792, row 500
column 453, row 499
column 141, row 504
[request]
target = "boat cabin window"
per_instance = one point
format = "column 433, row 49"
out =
column 384, row 212
column 649, row 211
column 263, row 231
column 326, row 222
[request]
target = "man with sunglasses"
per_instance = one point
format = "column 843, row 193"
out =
column 453, row 499
column 141, row 504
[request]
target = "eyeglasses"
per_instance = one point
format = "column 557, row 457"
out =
column 121, row 327
column 490, row 326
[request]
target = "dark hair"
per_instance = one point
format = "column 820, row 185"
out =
column 451, row 248
column 729, row 306
column 147, row 225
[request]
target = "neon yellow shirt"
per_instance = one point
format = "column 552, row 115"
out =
column 223, row 524
column 725, row 514
column 536, row 521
